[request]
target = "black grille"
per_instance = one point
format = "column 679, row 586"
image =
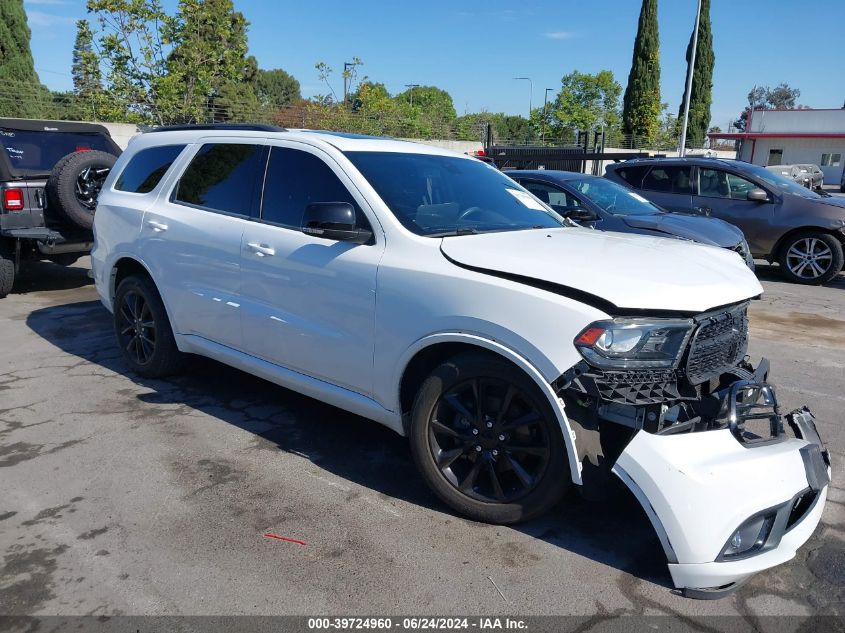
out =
column 718, row 344
column 637, row 387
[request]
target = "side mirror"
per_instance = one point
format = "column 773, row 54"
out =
column 333, row 221
column 757, row 195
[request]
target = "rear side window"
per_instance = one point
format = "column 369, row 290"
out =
column 40, row 151
column 294, row 180
column 146, row 168
column 633, row 175
column 220, row 178
column 669, row 180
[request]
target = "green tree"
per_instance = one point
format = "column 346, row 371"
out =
column 701, row 96
column 433, row 101
column 641, row 103
column 781, row 97
column 17, row 70
column 586, row 101
column 276, row 88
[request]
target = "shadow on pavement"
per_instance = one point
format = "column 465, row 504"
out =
column 615, row 532
column 44, row 276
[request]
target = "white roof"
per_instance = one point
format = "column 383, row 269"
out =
column 340, row 140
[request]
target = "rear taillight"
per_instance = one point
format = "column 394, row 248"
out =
column 13, row 200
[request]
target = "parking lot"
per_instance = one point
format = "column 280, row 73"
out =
column 127, row 496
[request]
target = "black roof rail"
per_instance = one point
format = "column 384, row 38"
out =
column 242, row 127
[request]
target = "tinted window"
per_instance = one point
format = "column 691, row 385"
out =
column 557, row 198
column 220, row 177
column 633, row 175
column 669, row 180
column 40, row 151
column 715, row 183
column 294, row 180
column 442, row 195
column 146, row 168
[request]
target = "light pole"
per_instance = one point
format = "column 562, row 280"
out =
column 682, row 148
column 410, row 88
column 530, row 94
column 545, row 103
column 346, row 76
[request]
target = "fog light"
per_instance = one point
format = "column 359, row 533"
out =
column 750, row 537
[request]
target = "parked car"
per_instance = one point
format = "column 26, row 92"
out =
column 814, row 173
column 50, row 174
column 600, row 203
column 792, row 172
column 519, row 352
column 802, row 230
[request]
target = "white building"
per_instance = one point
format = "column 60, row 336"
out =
column 789, row 137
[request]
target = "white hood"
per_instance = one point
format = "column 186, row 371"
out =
column 629, row 271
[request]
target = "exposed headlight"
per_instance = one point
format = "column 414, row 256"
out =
column 634, row 343
column 749, row 537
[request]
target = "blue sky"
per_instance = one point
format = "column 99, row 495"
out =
column 473, row 48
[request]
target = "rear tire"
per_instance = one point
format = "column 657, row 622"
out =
column 143, row 330
column 74, row 185
column 501, row 462
column 810, row 258
column 7, row 272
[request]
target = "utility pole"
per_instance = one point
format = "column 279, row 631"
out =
column 682, row 149
column 410, row 88
column 545, row 103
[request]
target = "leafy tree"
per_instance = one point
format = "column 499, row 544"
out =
column 276, row 88
column 170, row 68
column 433, row 101
column 701, row 95
column 781, row 97
column 87, row 78
column 586, row 101
column 17, row 70
column 641, row 104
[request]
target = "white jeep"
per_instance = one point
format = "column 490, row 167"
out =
column 427, row 291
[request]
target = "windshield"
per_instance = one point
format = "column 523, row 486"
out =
column 613, row 198
column 40, row 151
column 780, row 182
column 444, row 195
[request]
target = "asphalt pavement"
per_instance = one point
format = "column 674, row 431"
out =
column 120, row 495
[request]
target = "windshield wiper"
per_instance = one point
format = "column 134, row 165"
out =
column 461, row 230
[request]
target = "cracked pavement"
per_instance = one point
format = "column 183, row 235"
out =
column 120, row 495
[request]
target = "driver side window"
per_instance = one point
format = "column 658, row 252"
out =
column 556, row 198
column 715, row 183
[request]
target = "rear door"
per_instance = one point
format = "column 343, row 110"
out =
column 191, row 238
column 724, row 195
column 670, row 186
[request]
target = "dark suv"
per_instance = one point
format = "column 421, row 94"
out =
column 50, row 175
column 783, row 222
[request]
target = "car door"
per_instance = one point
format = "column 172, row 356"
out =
column 309, row 302
column 670, row 187
column 724, row 195
column 191, row 239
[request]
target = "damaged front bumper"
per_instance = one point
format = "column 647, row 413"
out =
column 726, row 505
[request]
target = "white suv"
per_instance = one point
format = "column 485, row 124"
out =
column 427, row 291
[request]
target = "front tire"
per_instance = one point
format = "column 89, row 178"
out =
column 143, row 330
column 811, row 258
column 487, row 442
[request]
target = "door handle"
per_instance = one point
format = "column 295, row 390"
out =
column 156, row 226
column 261, row 249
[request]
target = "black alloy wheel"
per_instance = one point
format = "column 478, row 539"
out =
column 136, row 329
column 487, row 441
column 143, row 330
column 88, row 185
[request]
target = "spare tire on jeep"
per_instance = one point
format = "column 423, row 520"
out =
column 75, row 183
